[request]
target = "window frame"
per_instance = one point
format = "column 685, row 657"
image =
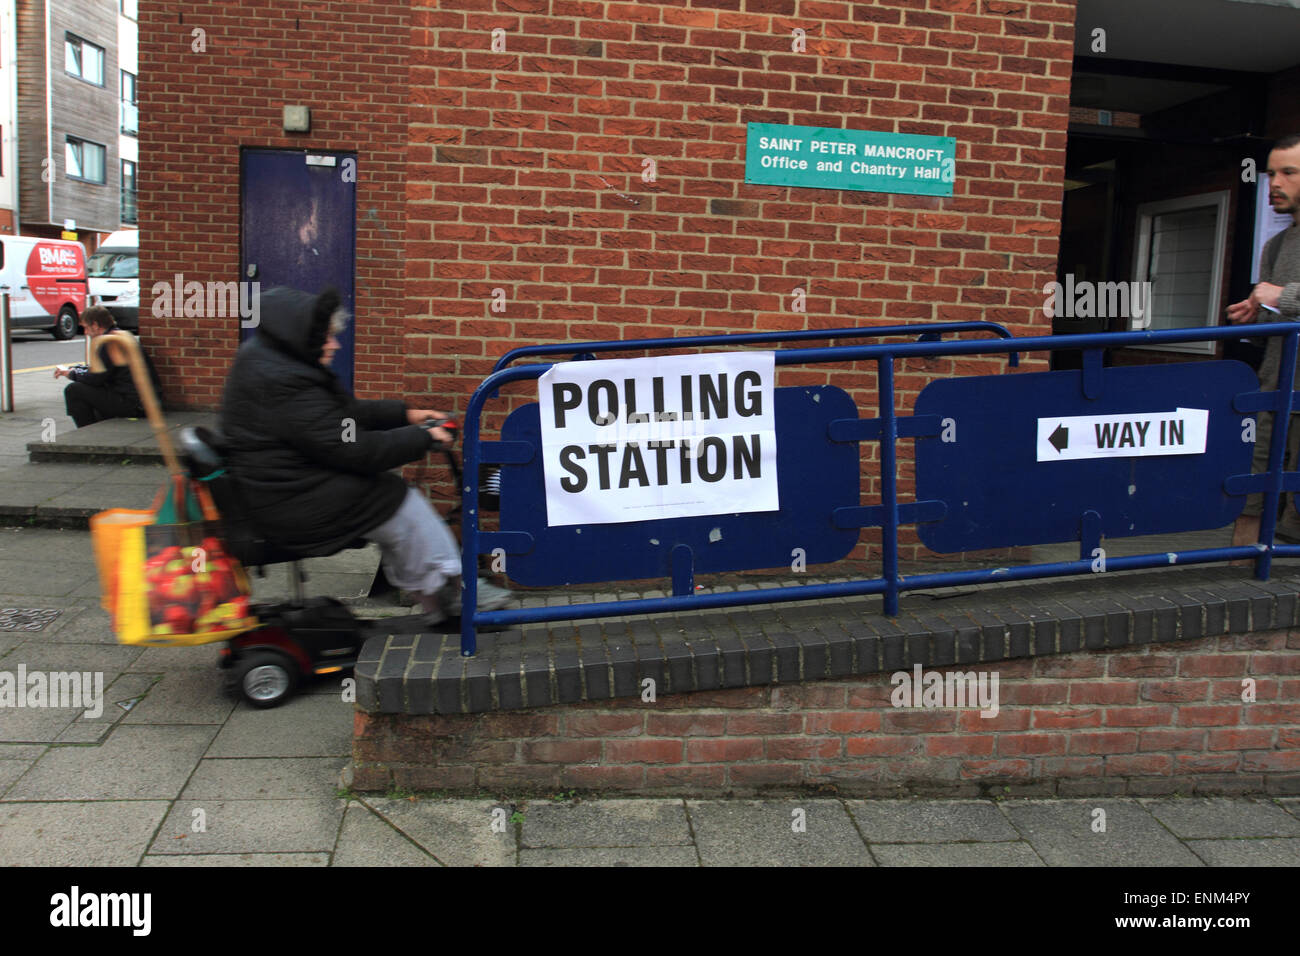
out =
column 69, row 139
column 68, row 40
column 1146, row 215
column 132, row 102
column 135, row 191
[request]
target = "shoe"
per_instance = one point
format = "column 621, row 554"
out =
column 449, row 597
column 434, row 618
column 490, row 597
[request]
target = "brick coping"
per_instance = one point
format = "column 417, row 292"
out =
column 542, row 665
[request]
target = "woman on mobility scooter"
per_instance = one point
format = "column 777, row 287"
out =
column 314, row 462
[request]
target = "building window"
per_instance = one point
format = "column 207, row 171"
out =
column 129, row 9
column 83, row 59
column 130, row 114
column 85, row 160
column 1180, row 252
column 128, row 191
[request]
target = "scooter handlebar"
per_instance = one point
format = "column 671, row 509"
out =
column 429, row 424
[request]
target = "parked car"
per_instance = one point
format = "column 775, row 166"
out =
column 46, row 282
column 113, row 277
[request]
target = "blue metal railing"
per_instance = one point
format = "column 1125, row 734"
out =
column 927, row 332
column 1274, row 482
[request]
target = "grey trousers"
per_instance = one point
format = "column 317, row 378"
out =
column 417, row 549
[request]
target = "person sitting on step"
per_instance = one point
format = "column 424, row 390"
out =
column 95, row 396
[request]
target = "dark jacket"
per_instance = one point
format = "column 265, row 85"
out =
column 118, row 378
column 312, row 461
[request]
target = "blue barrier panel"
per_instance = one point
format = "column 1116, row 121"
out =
column 1117, row 475
column 816, row 477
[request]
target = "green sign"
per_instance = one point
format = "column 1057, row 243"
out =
column 818, row 158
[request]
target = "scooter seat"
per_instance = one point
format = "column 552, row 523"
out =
column 204, row 452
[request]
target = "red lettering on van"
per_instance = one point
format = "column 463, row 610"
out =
column 56, row 274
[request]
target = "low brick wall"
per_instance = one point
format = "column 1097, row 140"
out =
column 1150, row 719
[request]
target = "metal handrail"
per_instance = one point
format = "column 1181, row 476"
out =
column 929, row 332
column 1283, row 404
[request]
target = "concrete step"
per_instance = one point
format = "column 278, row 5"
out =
column 62, row 494
column 116, row 441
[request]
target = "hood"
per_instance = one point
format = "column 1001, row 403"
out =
column 297, row 322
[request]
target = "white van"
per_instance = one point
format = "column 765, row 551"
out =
column 46, row 282
column 113, row 277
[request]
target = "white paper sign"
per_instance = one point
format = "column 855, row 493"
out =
column 1134, row 435
column 661, row 437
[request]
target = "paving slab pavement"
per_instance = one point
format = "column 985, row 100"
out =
column 611, row 856
column 304, row 726
column 814, row 832
column 11, row 770
column 606, row 823
column 122, row 789
column 1097, row 832
column 236, row 859
column 233, row 778
column 455, row 832
column 949, row 821
column 133, row 763
column 957, row 854
column 251, row 826
column 138, row 791
column 1247, row 852
column 367, row 839
column 98, row 833
column 1203, row 818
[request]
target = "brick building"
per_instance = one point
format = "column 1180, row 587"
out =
column 67, row 115
column 501, row 145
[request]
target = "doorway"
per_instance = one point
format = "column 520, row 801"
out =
column 298, row 229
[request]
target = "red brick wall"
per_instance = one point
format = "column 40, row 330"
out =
column 526, row 175
column 1164, row 719
column 521, row 171
column 348, row 62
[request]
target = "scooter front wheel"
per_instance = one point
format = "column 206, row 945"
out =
column 265, row 679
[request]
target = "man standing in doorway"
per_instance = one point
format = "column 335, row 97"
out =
column 1275, row 299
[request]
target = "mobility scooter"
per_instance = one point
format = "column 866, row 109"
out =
column 299, row 639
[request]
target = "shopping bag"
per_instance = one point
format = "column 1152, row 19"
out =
column 107, row 528
column 165, row 576
column 106, row 531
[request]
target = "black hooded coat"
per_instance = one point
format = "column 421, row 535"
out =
column 312, row 461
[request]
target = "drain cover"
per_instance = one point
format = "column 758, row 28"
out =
column 26, row 618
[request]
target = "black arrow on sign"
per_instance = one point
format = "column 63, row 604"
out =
column 1060, row 438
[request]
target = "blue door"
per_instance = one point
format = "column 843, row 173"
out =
column 298, row 228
